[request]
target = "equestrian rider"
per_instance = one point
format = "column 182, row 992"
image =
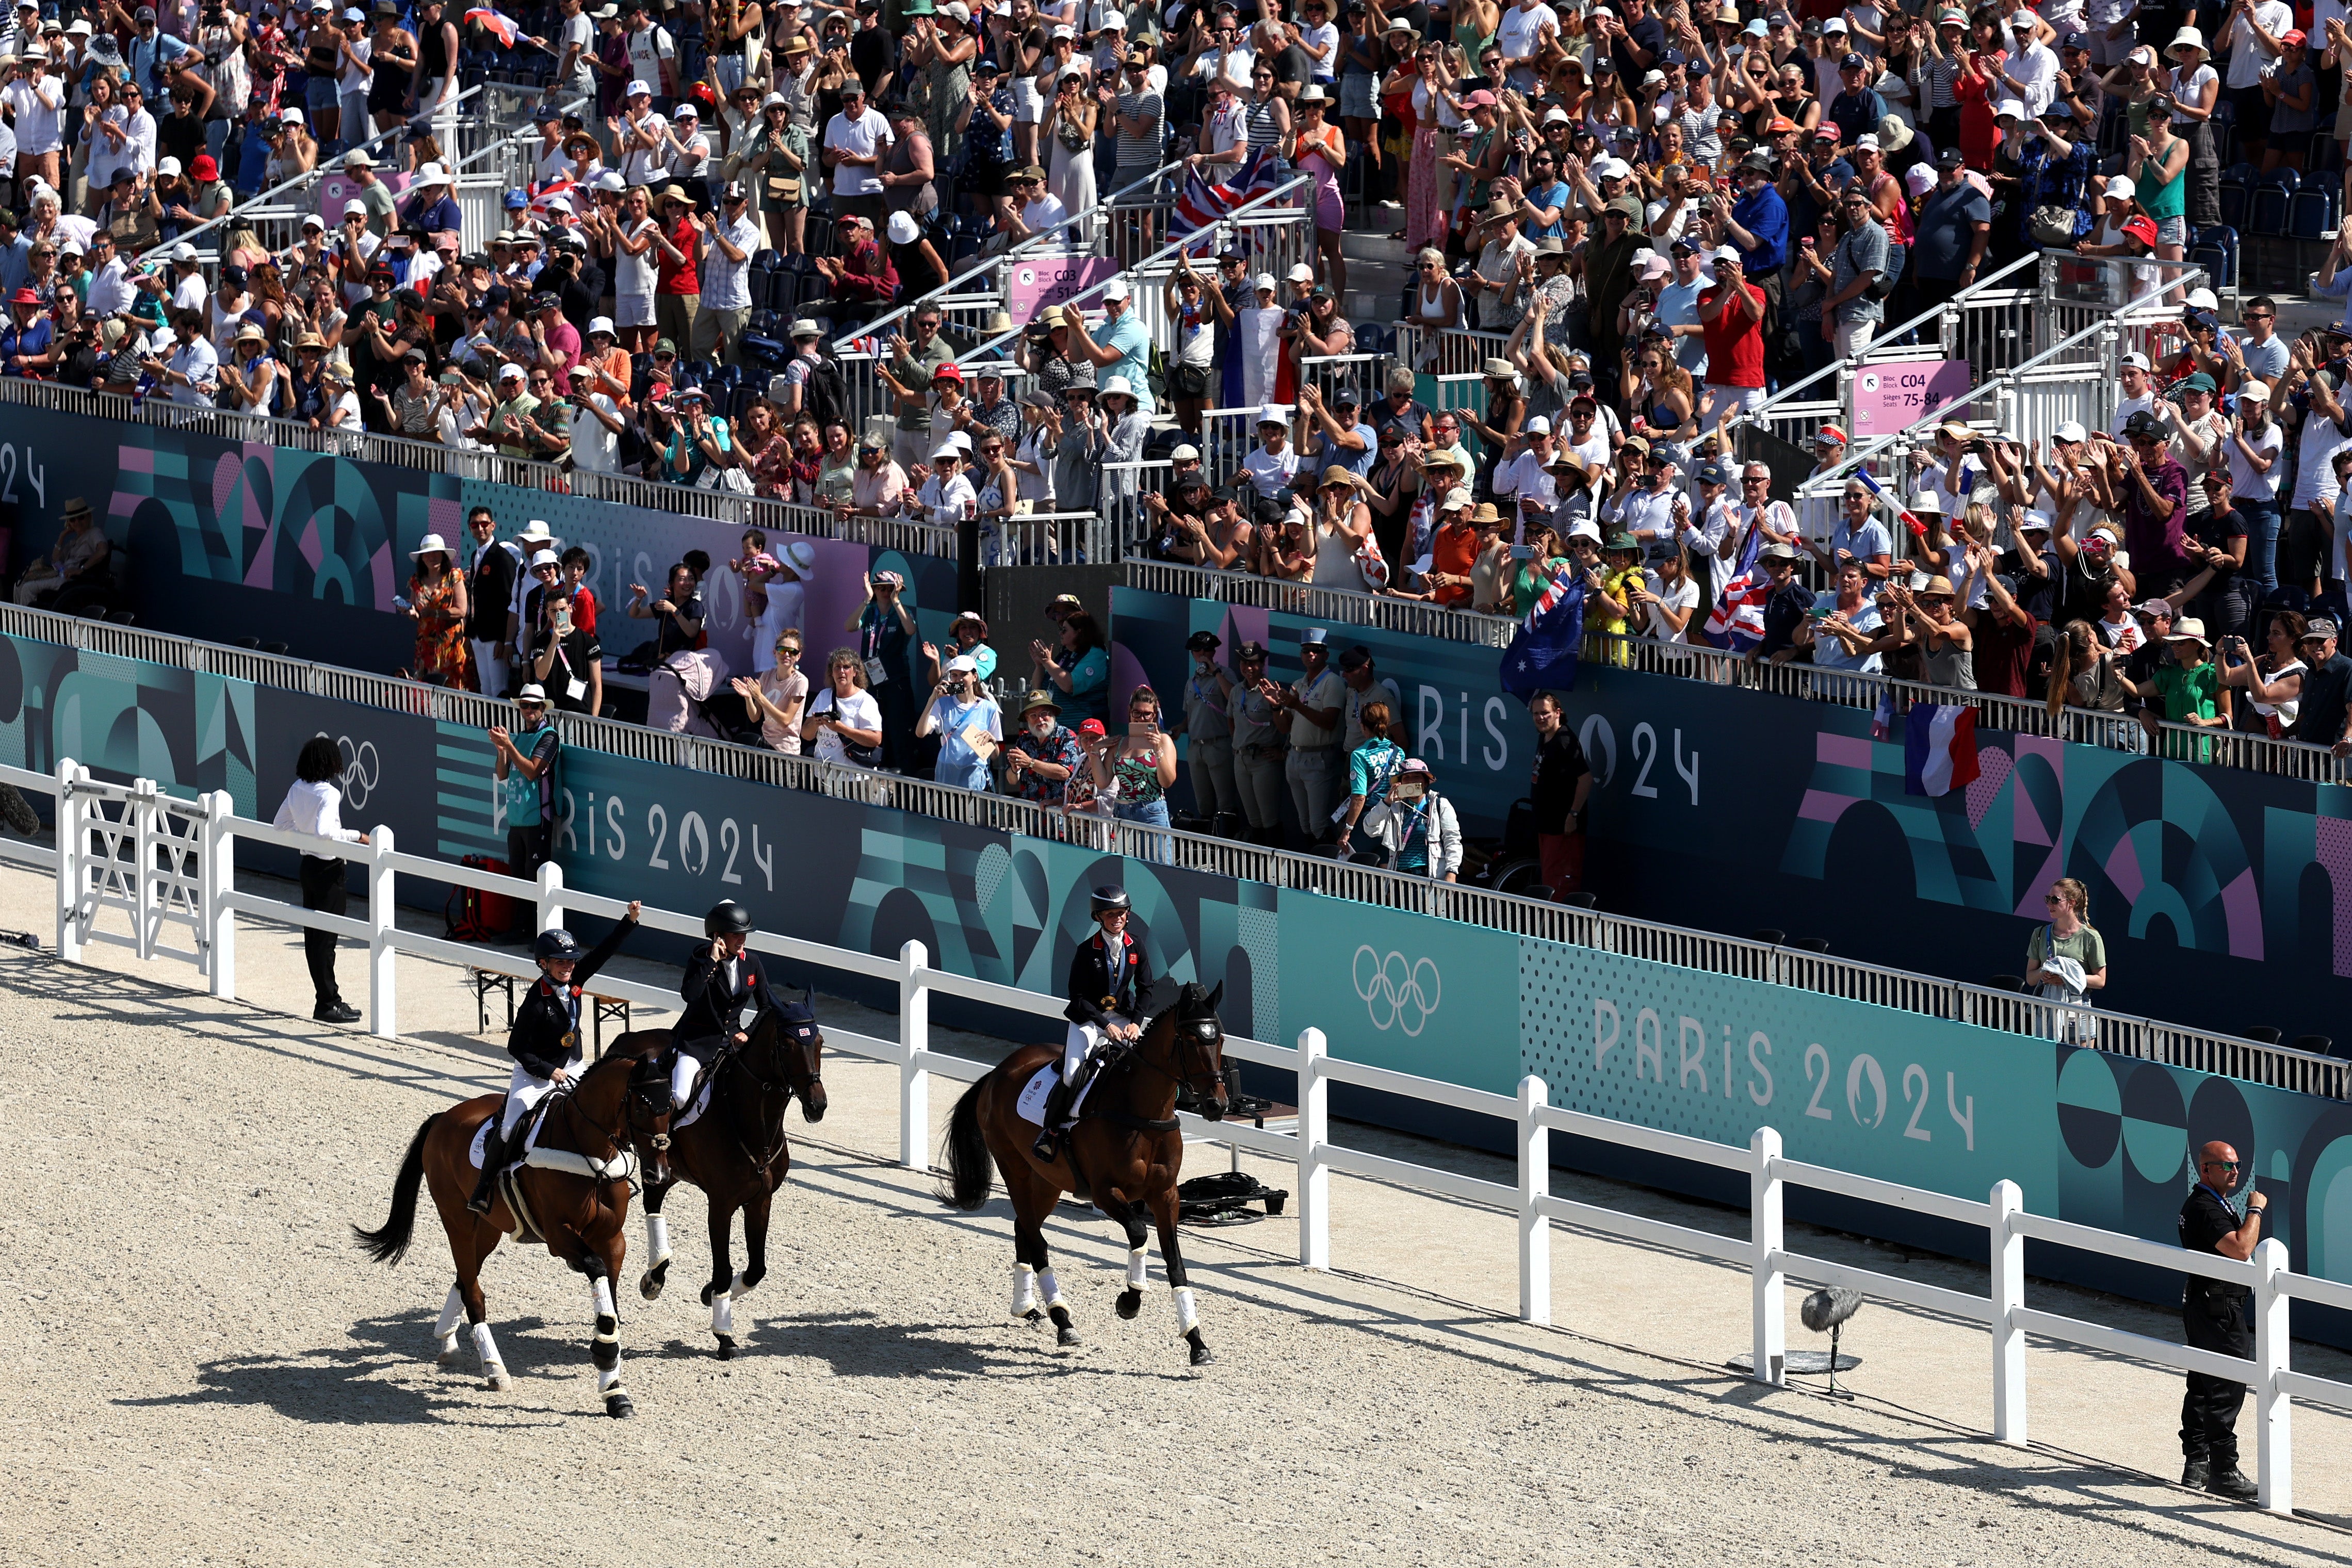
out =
column 1109, row 976
column 722, row 979
column 545, row 1040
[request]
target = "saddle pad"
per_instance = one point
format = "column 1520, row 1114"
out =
column 1031, row 1106
column 565, row 1160
column 688, row 1117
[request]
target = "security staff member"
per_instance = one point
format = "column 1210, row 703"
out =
column 722, row 979
column 1110, row 977
column 545, row 1040
column 2214, row 1316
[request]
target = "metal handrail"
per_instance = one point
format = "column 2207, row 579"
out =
column 308, row 176
column 1929, row 996
column 909, row 534
column 1822, row 483
column 848, row 344
column 1259, row 206
column 1762, row 411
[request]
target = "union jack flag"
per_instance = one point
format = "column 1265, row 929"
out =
column 561, row 185
column 1737, row 621
column 1201, row 205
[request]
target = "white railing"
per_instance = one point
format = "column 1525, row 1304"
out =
column 1929, row 996
column 1764, row 1253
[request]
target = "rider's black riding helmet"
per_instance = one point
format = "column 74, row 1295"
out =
column 557, row 942
column 1110, row 897
column 727, row 918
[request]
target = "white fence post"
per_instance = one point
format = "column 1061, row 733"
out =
column 140, row 813
column 914, row 1038
column 383, row 1010
column 70, row 838
column 1535, row 1184
column 1768, row 1342
column 2009, row 1418
column 1314, row 1131
column 216, row 873
column 2273, row 1407
column 551, row 896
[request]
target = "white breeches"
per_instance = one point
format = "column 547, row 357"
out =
column 523, row 1092
column 1083, row 1041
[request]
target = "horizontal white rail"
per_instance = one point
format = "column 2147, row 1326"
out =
column 110, row 817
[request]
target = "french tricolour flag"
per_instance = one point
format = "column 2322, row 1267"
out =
column 500, row 27
column 1940, row 749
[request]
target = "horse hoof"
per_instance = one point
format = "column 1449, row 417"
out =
column 1067, row 1338
column 1033, row 1317
column 496, row 1381
column 448, row 1355
column 618, row 1407
column 650, row 1287
column 726, row 1347
column 1200, row 1357
column 1130, row 1303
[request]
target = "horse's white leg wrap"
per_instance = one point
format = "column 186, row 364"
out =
column 1139, row 1270
column 1025, row 1289
column 602, row 1291
column 608, row 1380
column 722, row 1312
column 453, row 1312
column 656, row 1239
column 739, row 1289
column 1187, row 1317
column 486, row 1348
column 1049, row 1287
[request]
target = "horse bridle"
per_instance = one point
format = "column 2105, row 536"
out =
column 1200, row 1042
column 630, row 1099
column 740, row 1056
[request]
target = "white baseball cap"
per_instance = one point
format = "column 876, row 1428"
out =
column 1302, row 272
column 2136, row 363
column 354, row 208
column 2009, row 106
column 1185, row 454
column 1115, row 288
column 1273, row 413
column 634, row 88
column 1265, row 281
column 2069, row 432
column 2259, row 392
column 2121, row 188
column 1539, row 425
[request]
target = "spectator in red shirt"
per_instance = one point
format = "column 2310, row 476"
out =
column 678, row 296
column 865, row 274
column 1731, row 324
column 1453, row 551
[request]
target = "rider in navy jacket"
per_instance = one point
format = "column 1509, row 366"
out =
column 722, row 979
column 545, row 1038
column 1110, row 974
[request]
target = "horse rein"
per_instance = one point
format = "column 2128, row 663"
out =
column 740, row 1058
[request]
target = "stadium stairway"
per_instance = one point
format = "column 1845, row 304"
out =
column 1377, row 269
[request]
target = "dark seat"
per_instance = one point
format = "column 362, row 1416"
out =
column 1579, row 899
column 2006, row 982
column 2266, row 213
column 1809, row 944
column 1771, row 934
column 2318, row 1045
column 2236, row 196
column 2265, row 1034
column 2311, row 213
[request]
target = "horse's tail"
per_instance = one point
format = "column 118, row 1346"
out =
column 389, row 1243
column 964, row 1152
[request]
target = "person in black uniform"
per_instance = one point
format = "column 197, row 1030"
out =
column 2213, row 1315
column 722, row 979
column 545, row 1040
column 1110, row 977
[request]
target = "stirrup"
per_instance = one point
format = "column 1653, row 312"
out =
column 1048, row 1144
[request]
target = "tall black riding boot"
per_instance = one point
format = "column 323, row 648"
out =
column 1057, row 1107
column 494, row 1154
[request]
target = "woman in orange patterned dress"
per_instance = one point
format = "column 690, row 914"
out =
column 437, row 602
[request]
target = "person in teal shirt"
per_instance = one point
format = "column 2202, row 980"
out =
column 1085, row 683
column 1126, row 346
column 1370, row 767
column 967, row 631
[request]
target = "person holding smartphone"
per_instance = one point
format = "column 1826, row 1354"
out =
column 970, row 725
column 1134, row 770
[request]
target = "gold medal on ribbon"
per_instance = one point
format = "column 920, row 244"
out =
column 570, row 1041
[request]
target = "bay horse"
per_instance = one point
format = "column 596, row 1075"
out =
column 736, row 1153
column 620, row 1097
column 1126, row 1153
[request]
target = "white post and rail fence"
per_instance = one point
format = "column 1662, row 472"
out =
column 167, row 865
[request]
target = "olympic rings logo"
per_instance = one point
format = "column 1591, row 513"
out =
column 361, row 769
column 1396, row 992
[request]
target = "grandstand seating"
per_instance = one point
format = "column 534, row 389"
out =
column 2310, row 214
column 2215, row 249
column 2237, row 195
column 2267, row 214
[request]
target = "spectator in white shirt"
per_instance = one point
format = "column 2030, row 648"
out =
column 313, row 806
column 733, row 236
column 855, row 141
column 1272, row 464
column 191, row 375
column 2032, row 72
column 37, row 102
column 1528, row 477
column 595, row 424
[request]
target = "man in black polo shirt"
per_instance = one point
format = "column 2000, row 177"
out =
column 2327, row 711
column 2213, row 1317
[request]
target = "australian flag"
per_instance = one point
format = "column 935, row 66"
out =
column 1737, row 621
column 1543, row 652
column 1201, row 205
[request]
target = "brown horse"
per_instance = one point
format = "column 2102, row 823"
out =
column 735, row 1152
column 620, row 1098
column 1126, row 1151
